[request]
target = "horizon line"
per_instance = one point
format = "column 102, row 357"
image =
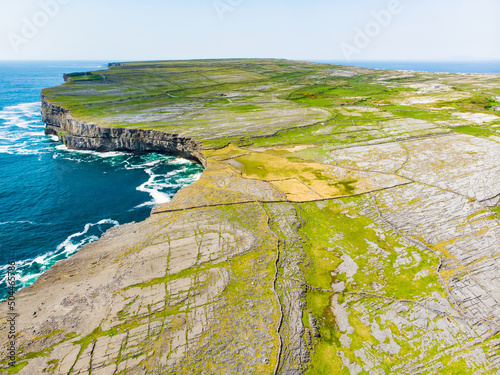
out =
column 258, row 58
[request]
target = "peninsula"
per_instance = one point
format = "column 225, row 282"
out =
column 346, row 223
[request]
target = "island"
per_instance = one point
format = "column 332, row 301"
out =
column 346, row 223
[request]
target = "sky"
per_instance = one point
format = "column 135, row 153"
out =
column 131, row 30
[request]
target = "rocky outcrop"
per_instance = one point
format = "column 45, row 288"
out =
column 83, row 136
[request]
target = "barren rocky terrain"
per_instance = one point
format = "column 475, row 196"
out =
column 346, row 223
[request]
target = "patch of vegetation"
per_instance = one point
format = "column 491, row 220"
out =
column 474, row 130
column 381, row 265
column 342, row 92
column 474, row 103
column 18, row 367
column 52, row 366
column 243, row 108
column 346, row 187
column 89, row 77
column 496, row 210
column 416, row 113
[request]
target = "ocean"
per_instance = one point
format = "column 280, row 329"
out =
column 426, row 66
column 54, row 200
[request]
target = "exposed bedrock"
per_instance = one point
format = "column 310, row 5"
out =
column 83, row 136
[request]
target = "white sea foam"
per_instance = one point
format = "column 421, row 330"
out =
column 73, row 243
column 29, row 278
column 179, row 161
column 21, row 129
column 24, row 116
column 17, row 151
column 75, row 155
column 152, row 163
column 110, row 154
column 153, row 189
column 65, row 249
column 18, row 222
column 170, row 181
column 27, row 109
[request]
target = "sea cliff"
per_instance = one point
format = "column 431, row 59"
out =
column 83, row 136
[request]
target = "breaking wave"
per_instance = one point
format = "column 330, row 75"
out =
column 28, row 270
column 21, row 135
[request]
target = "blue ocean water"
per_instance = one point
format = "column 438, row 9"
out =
column 426, row 66
column 53, row 200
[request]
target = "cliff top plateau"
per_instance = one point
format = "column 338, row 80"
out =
column 346, row 223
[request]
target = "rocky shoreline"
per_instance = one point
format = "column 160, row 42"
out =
column 83, row 136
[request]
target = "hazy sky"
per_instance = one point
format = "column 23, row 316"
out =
column 124, row 30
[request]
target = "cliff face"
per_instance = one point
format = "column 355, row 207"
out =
column 83, row 136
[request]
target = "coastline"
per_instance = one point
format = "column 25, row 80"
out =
column 86, row 136
column 258, row 264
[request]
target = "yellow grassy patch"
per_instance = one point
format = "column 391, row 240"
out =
column 306, row 181
column 300, row 181
column 296, row 190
